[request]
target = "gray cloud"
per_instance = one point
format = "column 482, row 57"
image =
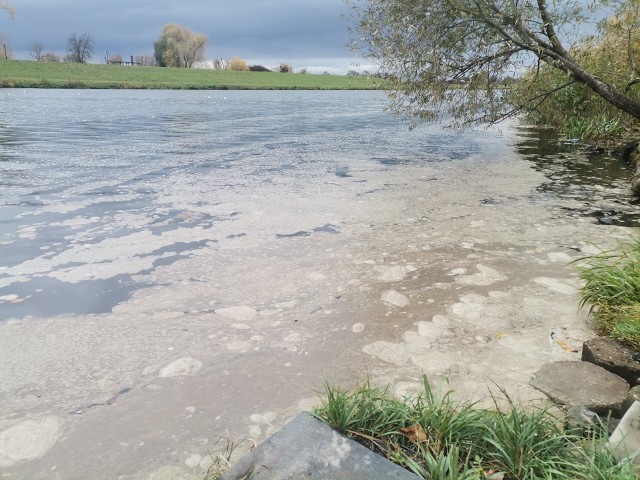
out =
column 302, row 32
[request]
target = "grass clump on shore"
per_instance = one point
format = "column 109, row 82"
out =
column 31, row 74
column 612, row 292
column 437, row 438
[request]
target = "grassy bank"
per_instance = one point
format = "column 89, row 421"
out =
column 612, row 292
column 439, row 439
column 29, row 74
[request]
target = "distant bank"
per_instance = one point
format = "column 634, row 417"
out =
column 31, row 74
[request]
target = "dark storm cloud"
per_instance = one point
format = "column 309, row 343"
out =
column 302, row 31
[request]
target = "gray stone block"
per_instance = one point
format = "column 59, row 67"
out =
column 625, row 441
column 308, row 448
column 582, row 383
column 614, row 357
column 632, row 396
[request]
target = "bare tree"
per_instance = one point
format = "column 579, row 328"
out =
column 80, row 48
column 220, row 64
column 115, row 59
column 50, row 57
column 37, row 50
column 145, row 60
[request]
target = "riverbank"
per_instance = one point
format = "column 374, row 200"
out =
column 31, row 74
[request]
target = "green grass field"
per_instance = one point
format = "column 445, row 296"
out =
column 31, row 74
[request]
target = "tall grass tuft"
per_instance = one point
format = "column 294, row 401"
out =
column 611, row 291
column 438, row 438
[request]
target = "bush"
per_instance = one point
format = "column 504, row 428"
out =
column 258, row 68
column 238, row 64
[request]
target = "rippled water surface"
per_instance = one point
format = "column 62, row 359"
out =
column 82, row 167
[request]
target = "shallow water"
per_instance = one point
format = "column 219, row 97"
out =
column 177, row 267
column 83, row 168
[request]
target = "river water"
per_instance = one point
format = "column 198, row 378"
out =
column 177, row 267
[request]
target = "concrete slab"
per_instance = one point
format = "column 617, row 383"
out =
column 308, row 448
column 614, row 357
column 625, row 440
column 582, row 383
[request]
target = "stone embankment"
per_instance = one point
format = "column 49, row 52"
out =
column 604, row 387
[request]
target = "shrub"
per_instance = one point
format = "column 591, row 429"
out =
column 258, row 68
column 238, row 64
column 612, row 292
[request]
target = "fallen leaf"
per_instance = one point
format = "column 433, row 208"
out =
column 565, row 346
column 415, row 433
column 501, row 335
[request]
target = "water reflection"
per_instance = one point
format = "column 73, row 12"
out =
column 598, row 180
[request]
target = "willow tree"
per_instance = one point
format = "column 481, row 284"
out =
column 451, row 57
column 4, row 5
column 178, row 46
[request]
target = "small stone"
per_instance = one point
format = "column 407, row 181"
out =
column 357, row 328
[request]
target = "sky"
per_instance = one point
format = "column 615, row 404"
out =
column 308, row 34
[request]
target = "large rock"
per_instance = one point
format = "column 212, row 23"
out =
column 613, row 356
column 582, row 383
column 307, row 448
